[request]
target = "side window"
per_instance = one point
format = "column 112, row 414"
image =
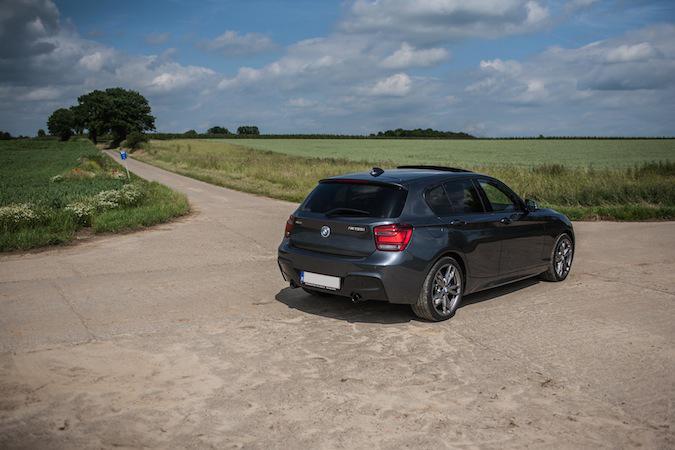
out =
column 463, row 196
column 499, row 199
column 438, row 201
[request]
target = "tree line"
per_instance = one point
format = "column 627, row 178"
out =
column 422, row 133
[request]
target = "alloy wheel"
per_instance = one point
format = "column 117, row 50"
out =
column 563, row 257
column 446, row 289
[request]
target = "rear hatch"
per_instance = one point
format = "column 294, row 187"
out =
column 339, row 215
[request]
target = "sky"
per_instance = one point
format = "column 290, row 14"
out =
column 486, row 67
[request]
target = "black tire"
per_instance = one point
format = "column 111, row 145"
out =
column 426, row 306
column 317, row 293
column 554, row 272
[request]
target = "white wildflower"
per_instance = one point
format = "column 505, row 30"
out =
column 17, row 214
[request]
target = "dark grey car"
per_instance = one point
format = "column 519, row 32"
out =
column 420, row 235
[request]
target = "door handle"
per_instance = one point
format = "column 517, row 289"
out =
column 457, row 223
column 505, row 220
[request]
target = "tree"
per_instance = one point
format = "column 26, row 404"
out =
column 93, row 113
column 115, row 110
column 248, row 130
column 218, row 130
column 60, row 123
column 78, row 120
column 191, row 134
column 135, row 139
column 131, row 112
column 5, row 136
column 41, row 133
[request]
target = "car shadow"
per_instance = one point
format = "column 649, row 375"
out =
column 342, row 308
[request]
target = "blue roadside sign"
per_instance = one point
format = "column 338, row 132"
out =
column 123, row 155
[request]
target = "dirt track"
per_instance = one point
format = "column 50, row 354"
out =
column 186, row 335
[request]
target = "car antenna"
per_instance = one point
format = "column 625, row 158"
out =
column 376, row 171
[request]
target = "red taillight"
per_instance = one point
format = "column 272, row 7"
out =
column 392, row 238
column 289, row 226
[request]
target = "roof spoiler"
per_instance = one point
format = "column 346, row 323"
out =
column 362, row 181
column 441, row 168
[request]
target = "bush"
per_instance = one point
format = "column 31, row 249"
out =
column 191, row 134
column 17, row 215
column 84, row 209
column 135, row 140
column 41, row 133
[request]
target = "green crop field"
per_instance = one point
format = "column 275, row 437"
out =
column 640, row 190
column 50, row 189
column 531, row 152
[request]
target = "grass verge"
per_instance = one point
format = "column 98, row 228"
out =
column 641, row 192
column 49, row 190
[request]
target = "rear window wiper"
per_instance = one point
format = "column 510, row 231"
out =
column 346, row 212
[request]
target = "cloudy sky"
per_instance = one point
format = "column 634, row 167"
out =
column 488, row 67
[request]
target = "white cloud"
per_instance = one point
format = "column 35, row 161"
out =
column 536, row 14
column 395, row 85
column 42, row 94
column 174, row 76
column 442, row 20
column 497, row 65
column 319, row 60
column 93, row 61
column 232, row 43
column 631, row 53
column 407, row 56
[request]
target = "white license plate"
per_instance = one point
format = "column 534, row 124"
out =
column 318, row 280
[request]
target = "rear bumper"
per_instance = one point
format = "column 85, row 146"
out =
column 386, row 276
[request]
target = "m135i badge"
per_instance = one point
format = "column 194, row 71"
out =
column 358, row 229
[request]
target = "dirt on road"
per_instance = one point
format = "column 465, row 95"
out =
column 185, row 335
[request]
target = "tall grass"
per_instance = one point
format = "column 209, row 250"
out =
column 468, row 152
column 641, row 192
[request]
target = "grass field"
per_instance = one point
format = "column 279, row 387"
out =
column 50, row 189
column 570, row 153
column 641, row 191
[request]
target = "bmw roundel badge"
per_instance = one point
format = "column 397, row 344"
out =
column 325, row 231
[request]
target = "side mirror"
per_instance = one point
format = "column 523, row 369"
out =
column 531, row 205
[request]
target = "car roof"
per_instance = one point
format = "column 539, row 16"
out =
column 404, row 176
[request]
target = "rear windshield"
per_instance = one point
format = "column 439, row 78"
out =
column 355, row 200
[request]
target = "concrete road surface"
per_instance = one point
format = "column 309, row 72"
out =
column 185, row 335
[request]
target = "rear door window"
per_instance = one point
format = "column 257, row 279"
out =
column 438, row 201
column 356, row 200
column 463, row 197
